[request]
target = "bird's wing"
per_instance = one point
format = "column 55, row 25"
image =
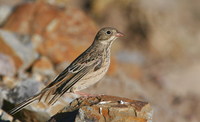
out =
column 68, row 83
column 67, row 79
column 72, row 69
column 77, row 65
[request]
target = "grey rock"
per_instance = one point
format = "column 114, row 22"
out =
column 24, row 51
column 7, row 66
column 24, row 90
column 4, row 117
column 5, row 11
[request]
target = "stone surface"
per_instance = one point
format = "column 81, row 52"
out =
column 7, row 66
column 22, row 54
column 24, row 89
column 4, row 117
column 9, row 82
column 5, row 11
column 43, row 66
column 37, row 111
column 59, row 29
column 105, row 109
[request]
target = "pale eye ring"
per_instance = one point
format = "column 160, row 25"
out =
column 108, row 32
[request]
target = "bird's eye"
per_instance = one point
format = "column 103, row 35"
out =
column 108, row 32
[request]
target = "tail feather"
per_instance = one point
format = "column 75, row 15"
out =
column 22, row 105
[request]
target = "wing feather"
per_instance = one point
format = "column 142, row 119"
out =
column 67, row 85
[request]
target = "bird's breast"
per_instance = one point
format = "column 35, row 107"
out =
column 92, row 77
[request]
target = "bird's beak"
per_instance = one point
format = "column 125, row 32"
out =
column 119, row 34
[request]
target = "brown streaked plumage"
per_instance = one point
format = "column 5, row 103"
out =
column 84, row 71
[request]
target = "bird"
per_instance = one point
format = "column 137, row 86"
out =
column 86, row 70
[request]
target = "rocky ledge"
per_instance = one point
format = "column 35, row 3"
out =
column 104, row 108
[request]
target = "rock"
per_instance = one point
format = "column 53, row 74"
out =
column 22, row 54
column 11, row 2
column 5, row 11
column 24, row 89
column 4, row 117
column 105, row 108
column 64, row 32
column 67, row 36
column 7, row 66
column 9, row 82
column 43, row 66
column 40, row 111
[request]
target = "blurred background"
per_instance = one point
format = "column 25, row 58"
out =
column 158, row 60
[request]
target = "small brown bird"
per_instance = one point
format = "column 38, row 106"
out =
column 86, row 70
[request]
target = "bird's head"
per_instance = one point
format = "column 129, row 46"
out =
column 107, row 35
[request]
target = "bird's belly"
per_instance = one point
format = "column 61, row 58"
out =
column 90, row 79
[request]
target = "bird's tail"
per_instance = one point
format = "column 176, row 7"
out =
column 24, row 104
